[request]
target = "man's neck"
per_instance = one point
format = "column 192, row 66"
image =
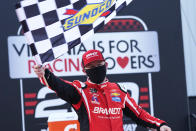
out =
column 104, row 81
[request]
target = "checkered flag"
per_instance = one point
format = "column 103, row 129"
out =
column 44, row 21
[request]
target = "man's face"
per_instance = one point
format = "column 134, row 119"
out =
column 94, row 64
column 96, row 71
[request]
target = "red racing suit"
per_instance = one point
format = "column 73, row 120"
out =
column 100, row 106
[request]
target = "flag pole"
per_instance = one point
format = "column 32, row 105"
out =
column 45, row 81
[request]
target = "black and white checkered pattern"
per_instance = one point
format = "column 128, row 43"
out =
column 43, row 20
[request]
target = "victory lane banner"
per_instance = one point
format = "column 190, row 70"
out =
column 125, row 52
column 52, row 27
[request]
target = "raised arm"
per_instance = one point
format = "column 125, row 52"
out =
column 66, row 90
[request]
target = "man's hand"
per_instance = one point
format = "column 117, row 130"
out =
column 165, row 128
column 39, row 70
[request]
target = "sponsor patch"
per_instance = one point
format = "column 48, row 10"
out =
column 115, row 94
column 95, row 99
column 93, row 90
column 116, row 99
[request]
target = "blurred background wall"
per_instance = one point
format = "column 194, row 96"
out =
column 189, row 40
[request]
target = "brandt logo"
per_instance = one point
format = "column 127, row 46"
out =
column 100, row 110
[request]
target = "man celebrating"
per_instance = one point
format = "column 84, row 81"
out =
column 99, row 104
